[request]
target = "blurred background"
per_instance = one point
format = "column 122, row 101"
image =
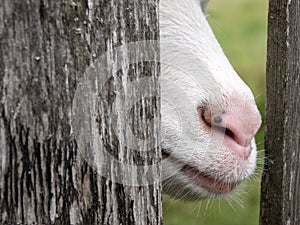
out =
column 241, row 28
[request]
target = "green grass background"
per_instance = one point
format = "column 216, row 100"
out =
column 241, row 28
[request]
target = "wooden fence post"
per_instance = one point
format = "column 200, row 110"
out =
column 79, row 112
column 280, row 195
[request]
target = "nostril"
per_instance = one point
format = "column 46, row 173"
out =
column 218, row 124
column 229, row 133
column 224, row 131
column 207, row 118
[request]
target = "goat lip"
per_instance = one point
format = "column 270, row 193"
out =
column 207, row 182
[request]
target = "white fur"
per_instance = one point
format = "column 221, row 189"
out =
column 195, row 71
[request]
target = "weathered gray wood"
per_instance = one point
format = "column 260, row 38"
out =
column 66, row 156
column 280, row 196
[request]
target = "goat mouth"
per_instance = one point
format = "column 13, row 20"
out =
column 209, row 183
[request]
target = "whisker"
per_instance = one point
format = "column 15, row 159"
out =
column 259, row 95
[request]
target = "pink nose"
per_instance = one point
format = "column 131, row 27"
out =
column 236, row 124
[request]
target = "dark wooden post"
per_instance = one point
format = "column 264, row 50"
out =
column 280, row 195
column 79, row 112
